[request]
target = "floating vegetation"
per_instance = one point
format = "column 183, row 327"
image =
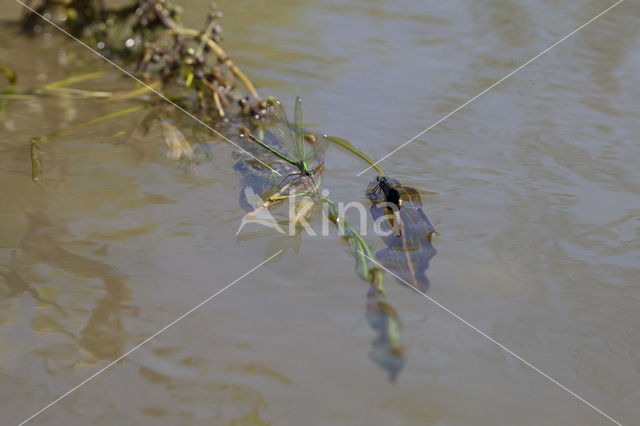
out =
column 11, row 77
column 189, row 69
column 36, row 172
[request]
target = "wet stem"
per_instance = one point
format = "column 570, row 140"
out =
column 36, row 169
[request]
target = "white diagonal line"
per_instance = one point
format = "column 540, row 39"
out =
column 148, row 87
column 112, row 363
column 492, row 86
column 500, row 345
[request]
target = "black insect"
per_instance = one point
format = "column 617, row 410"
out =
column 391, row 195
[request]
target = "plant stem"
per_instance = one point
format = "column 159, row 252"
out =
column 359, row 247
column 147, row 87
column 346, row 145
column 11, row 76
column 216, row 96
column 76, row 79
column 36, row 172
column 222, row 57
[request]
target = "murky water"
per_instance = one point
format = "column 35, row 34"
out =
column 534, row 189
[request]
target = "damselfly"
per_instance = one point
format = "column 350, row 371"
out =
column 293, row 142
column 391, row 195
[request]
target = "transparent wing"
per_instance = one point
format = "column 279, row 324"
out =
column 297, row 122
column 394, row 182
column 294, row 142
column 281, row 128
column 409, row 196
column 318, row 147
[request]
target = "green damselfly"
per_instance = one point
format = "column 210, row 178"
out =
column 292, row 141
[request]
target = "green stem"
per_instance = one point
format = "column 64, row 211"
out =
column 88, row 123
column 36, row 171
column 70, row 91
column 346, row 145
column 76, row 79
column 11, row 76
column 359, row 248
column 205, row 37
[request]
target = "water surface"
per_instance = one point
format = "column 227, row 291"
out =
column 534, row 190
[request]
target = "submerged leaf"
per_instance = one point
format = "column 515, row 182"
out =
column 178, row 147
column 8, row 72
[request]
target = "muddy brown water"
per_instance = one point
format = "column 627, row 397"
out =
column 534, row 189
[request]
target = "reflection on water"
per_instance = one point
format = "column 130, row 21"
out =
column 388, row 349
column 49, row 270
column 533, row 188
column 408, row 235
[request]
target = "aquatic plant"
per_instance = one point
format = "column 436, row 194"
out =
column 189, row 69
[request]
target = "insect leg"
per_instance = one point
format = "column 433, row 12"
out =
column 286, row 177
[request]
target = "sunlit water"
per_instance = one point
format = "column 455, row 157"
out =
column 534, row 189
